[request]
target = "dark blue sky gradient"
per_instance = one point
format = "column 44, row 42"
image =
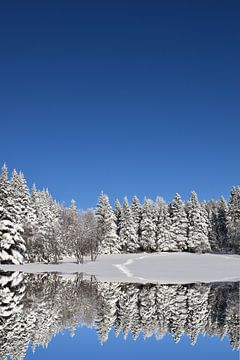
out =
column 129, row 97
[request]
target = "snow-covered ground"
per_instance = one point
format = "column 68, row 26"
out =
column 158, row 267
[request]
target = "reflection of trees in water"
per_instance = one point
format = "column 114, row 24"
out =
column 50, row 304
column 33, row 308
column 154, row 310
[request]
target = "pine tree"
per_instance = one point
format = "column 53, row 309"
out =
column 21, row 196
column 52, row 244
column 233, row 223
column 4, row 186
column 212, row 213
column 148, row 226
column 198, row 226
column 222, row 230
column 12, row 246
column 128, row 236
column 137, row 214
column 118, row 212
column 179, row 224
column 165, row 242
column 107, row 229
column 34, row 235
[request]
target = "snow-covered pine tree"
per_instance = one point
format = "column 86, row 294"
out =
column 233, row 223
column 16, row 196
column 106, row 227
column 73, row 210
column 33, row 234
column 12, row 246
column 148, row 226
column 164, row 240
column 4, row 185
column 198, row 240
column 212, row 212
column 128, row 236
column 21, row 196
column 118, row 212
column 41, row 208
column 137, row 214
column 222, row 224
column 179, row 224
column 24, row 212
column 33, row 202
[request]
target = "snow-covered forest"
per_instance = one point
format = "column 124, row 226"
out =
column 36, row 228
column 33, row 308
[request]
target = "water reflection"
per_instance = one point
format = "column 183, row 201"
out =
column 33, row 308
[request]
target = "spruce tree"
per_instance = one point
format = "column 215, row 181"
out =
column 107, row 228
column 137, row 214
column 118, row 212
column 198, row 240
column 222, row 224
column 21, row 196
column 164, row 240
column 179, row 224
column 212, row 213
column 128, row 236
column 233, row 222
column 148, row 226
column 4, row 185
column 12, row 246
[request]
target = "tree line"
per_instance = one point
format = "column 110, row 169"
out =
column 36, row 228
column 212, row 226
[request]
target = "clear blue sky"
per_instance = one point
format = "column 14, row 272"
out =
column 129, row 97
column 85, row 343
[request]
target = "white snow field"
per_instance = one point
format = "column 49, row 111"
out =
column 156, row 268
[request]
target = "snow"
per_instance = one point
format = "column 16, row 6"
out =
column 123, row 267
column 163, row 268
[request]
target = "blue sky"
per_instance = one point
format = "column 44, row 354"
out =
column 129, row 97
column 85, row 343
